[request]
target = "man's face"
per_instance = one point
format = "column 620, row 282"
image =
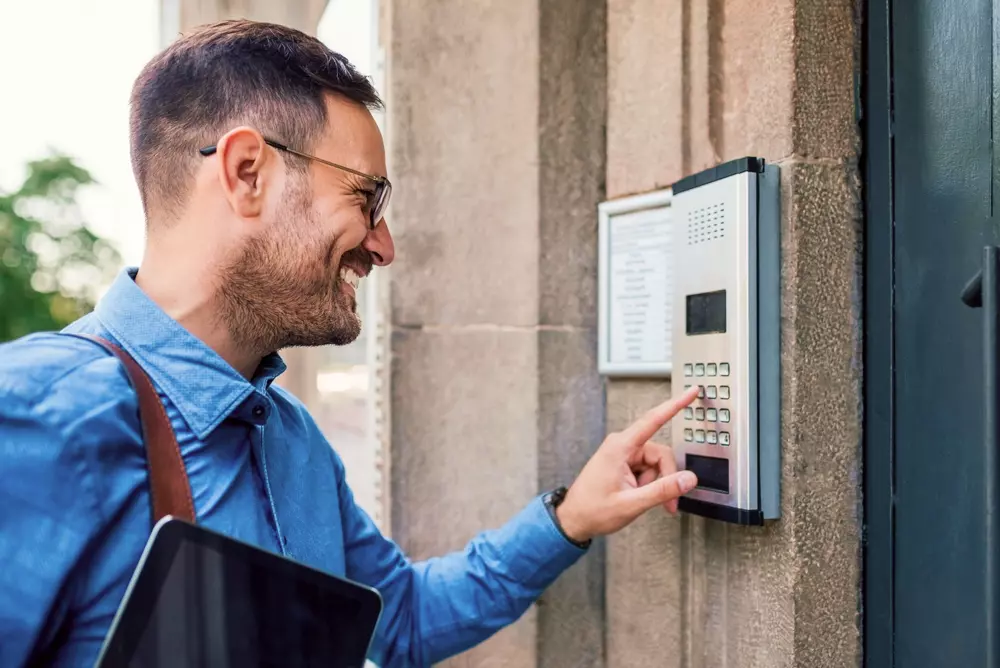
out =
column 293, row 282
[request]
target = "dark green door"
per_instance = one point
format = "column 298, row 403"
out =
column 930, row 592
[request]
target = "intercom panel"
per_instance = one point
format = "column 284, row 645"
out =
column 726, row 339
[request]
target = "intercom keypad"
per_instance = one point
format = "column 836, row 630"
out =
column 725, row 338
column 713, row 418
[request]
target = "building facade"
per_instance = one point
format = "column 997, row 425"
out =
column 508, row 123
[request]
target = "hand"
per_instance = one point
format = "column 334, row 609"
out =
column 627, row 476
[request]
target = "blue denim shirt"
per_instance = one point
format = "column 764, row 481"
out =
column 75, row 513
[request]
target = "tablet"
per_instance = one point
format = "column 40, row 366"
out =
column 199, row 598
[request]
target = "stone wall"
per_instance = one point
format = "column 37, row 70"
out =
column 775, row 80
column 496, row 133
column 509, row 122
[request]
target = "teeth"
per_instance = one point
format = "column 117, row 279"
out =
column 351, row 277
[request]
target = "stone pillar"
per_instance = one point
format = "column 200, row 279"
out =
column 690, row 84
column 496, row 127
column 185, row 14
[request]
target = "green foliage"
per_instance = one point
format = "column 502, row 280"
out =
column 51, row 265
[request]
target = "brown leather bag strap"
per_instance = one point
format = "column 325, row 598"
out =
column 169, row 488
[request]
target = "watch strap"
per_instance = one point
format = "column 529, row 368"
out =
column 552, row 500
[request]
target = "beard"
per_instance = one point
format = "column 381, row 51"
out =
column 282, row 290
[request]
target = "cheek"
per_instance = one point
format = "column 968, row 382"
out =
column 343, row 230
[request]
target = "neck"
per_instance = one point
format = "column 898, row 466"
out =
column 176, row 278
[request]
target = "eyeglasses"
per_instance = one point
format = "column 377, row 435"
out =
column 383, row 188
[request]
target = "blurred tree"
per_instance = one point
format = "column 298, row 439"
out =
column 51, row 265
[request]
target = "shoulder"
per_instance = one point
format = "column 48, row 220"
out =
column 39, row 367
column 64, row 402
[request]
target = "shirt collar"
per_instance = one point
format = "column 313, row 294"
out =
column 203, row 386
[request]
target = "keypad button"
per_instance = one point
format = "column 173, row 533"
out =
column 723, row 438
column 724, row 392
column 724, row 415
column 688, row 413
column 713, row 437
column 710, row 392
column 688, row 434
column 687, row 387
column 701, row 391
column 688, row 369
column 699, row 414
column 699, row 436
column 711, row 369
column 711, row 415
column 724, row 369
column 699, row 369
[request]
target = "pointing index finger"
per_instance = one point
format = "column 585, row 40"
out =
column 643, row 429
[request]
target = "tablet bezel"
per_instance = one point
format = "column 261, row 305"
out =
column 154, row 564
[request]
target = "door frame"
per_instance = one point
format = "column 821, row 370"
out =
column 878, row 428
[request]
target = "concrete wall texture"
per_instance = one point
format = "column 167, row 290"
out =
column 509, row 120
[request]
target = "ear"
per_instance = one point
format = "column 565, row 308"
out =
column 244, row 164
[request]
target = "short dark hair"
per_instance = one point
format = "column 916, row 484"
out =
column 270, row 76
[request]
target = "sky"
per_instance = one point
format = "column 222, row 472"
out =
column 67, row 68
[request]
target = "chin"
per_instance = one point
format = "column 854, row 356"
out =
column 346, row 331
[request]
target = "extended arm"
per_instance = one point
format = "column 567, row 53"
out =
column 441, row 606
column 437, row 608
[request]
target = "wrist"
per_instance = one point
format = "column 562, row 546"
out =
column 567, row 523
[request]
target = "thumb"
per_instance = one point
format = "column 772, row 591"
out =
column 658, row 492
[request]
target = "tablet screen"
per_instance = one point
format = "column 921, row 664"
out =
column 221, row 603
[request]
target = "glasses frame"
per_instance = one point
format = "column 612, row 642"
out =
column 383, row 188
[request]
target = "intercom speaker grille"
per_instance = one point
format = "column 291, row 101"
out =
column 706, row 224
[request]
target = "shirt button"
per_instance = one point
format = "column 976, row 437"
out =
column 258, row 411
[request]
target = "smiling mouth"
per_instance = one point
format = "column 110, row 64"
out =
column 350, row 277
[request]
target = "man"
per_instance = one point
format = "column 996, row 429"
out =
column 263, row 179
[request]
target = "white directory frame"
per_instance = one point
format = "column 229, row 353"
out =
column 635, row 286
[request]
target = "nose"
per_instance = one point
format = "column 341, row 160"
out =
column 378, row 242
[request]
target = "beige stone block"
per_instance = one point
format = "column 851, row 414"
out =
column 758, row 70
column 463, row 128
column 826, row 70
column 703, row 90
column 571, row 411
column 301, row 14
column 695, row 561
column 572, row 151
column 464, row 418
column 644, row 588
column 644, row 573
column 464, row 450
column 645, row 95
column 570, row 429
column 822, row 417
column 751, row 604
column 570, row 615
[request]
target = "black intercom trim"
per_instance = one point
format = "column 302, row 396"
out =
column 719, row 172
column 715, row 511
column 769, row 343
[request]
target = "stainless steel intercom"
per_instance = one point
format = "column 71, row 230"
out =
column 726, row 339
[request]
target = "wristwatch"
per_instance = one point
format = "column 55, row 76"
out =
column 552, row 500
